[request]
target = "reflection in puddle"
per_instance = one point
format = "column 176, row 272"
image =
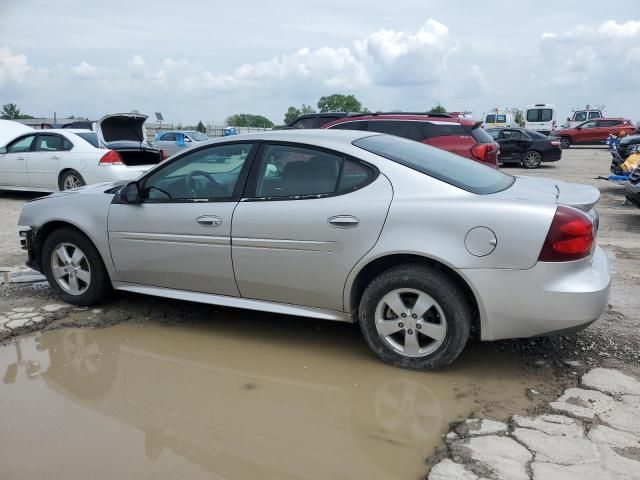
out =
column 208, row 401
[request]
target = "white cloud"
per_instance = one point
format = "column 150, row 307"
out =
column 616, row 30
column 12, row 67
column 85, row 70
column 136, row 62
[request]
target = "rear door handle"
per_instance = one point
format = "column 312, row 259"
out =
column 20, row 158
column 343, row 221
column 55, row 157
column 209, row 221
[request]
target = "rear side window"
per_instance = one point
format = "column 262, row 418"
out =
column 594, row 115
column 406, row 129
column 168, row 137
column 539, row 115
column 359, row 125
column 441, row 129
column 453, row 169
column 90, row 137
column 289, row 171
column 49, row 143
column 326, row 119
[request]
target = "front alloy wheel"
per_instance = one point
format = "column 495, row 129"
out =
column 70, row 269
column 565, row 142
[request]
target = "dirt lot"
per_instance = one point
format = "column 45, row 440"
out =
column 174, row 389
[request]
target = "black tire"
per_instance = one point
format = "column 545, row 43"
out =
column 99, row 286
column 565, row 142
column 68, row 178
column 442, row 289
column 531, row 159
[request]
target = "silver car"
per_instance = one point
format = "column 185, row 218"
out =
column 424, row 248
column 174, row 141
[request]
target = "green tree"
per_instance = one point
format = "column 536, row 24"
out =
column 519, row 117
column 340, row 103
column 10, row 111
column 439, row 108
column 200, row 127
column 249, row 120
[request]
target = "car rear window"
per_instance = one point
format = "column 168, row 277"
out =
column 90, row 137
column 539, row 115
column 453, row 169
column 480, row 135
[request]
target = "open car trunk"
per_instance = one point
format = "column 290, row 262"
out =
column 125, row 133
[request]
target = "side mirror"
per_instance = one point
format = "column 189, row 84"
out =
column 130, row 193
column 578, row 128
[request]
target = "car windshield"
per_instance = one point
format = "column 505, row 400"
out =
column 490, row 119
column 453, row 169
column 198, row 136
column 90, row 137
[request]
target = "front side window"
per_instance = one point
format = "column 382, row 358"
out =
column 591, row 124
column 206, row 174
column 49, row 143
column 292, row 171
column 580, row 116
column 453, row 169
column 308, row 122
column 21, row 145
column 608, row 123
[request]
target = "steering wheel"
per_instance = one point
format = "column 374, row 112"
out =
column 214, row 188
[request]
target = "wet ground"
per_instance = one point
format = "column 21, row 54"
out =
column 151, row 388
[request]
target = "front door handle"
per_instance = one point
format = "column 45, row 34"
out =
column 344, row 221
column 209, row 221
column 20, row 158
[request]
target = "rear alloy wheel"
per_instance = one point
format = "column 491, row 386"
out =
column 531, row 159
column 565, row 142
column 74, row 267
column 415, row 317
column 71, row 179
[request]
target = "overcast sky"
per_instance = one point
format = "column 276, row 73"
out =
column 206, row 60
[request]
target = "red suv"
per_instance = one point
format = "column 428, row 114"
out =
column 593, row 131
column 456, row 135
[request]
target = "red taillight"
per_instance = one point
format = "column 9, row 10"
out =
column 111, row 158
column 484, row 151
column 570, row 237
column 164, row 155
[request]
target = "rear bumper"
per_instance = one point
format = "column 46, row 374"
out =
column 548, row 298
column 115, row 173
column 552, row 155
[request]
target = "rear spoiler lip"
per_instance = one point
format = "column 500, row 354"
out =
column 476, row 125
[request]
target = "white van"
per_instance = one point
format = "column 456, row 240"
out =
column 540, row 117
column 581, row 116
column 498, row 120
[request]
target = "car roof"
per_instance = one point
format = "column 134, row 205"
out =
column 312, row 136
column 423, row 117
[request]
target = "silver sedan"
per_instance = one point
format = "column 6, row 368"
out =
column 422, row 247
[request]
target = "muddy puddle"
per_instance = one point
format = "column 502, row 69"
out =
column 231, row 399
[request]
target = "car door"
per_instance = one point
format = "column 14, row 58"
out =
column 13, row 163
column 167, row 142
column 180, row 235
column 586, row 133
column 44, row 160
column 521, row 143
column 507, row 145
column 309, row 216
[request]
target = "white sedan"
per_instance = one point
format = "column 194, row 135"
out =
column 61, row 159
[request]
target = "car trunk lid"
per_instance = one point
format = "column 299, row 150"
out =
column 583, row 197
column 122, row 127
